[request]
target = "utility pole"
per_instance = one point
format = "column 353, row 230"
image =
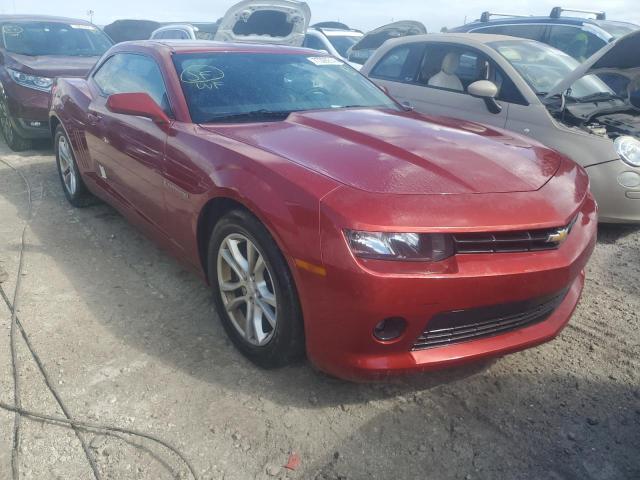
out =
column 90, row 14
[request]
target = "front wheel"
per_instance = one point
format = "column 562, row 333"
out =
column 72, row 183
column 254, row 291
column 14, row 140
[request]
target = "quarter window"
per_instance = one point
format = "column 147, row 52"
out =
column 400, row 64
column 574, row 41
column 311, row 41
column 131, row 73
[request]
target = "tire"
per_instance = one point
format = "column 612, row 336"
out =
column 72, row 184
column 12, row 137
column 267, row 344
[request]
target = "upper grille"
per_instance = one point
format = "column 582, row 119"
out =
column 465, row 325
column 504, row 242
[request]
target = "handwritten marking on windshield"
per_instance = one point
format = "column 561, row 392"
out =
column 202, row 76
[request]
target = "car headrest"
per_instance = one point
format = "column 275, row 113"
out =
column 450, row 63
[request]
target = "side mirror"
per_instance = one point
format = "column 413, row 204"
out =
column 138, row 104
column 488, row 91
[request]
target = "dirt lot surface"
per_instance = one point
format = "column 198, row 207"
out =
column 130, row 338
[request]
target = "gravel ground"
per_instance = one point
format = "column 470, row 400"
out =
column 130, row 339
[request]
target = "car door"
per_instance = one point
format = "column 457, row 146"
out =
column 433, row 77
column 129, row 150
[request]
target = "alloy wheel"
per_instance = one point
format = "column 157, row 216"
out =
column 67, row 167
column 247, row 289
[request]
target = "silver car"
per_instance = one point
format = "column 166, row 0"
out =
column 532, row 89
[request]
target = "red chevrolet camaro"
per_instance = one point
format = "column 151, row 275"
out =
column 326, row 217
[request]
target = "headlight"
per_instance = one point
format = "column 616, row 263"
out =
column 629, row 150
column 407, row 247
column 31, row 81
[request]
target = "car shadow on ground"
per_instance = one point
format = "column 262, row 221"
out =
column 611, row 233
column 519, row 426
column 148, row 300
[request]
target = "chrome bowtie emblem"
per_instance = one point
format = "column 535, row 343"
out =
column 559, row 236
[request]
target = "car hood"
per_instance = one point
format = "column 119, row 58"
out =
column 282, row 22
column 51, row 65
column 620, row 56
column 375, row 38
column 385, row 151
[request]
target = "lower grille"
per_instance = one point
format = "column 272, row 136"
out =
column 466, row 325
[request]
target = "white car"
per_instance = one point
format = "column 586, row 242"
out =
column 185, row 31
column 281, row 22
column 335, row 41
column 532, row 89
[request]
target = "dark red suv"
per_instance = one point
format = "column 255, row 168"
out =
column 33, row 51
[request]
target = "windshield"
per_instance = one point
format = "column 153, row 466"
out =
column 342, row 43
column 245, row 86
column 543, row 67
column 54, row 38
column 618, row 29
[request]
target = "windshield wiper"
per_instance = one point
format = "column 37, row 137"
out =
column 597, row 97
column 262, row 114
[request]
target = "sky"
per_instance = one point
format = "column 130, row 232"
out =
column 361, row 14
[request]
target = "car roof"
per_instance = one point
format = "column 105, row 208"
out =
column 532, row 19
column 41, row 18
column 193, row 46
column 477, row 38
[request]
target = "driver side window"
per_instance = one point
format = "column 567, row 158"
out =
column 132, row 73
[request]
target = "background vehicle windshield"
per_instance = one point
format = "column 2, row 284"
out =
column 222, row 85
column 618, row 29
column 543, row 67
column 54, row 38
column 343, row 43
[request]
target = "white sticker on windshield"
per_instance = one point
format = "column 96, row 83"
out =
column 83, row 27
column 12, row 29
column 325, row 61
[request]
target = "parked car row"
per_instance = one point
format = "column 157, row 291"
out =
column 376, row 233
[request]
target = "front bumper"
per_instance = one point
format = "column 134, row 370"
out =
column 354, row 295
column 617, row 203
column 28, row 107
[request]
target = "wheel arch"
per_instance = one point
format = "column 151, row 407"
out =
column 212, row 211
column 54, row 121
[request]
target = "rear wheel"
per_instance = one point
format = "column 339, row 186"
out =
column 14, row 140
column 254, row 291
column 72, row 183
